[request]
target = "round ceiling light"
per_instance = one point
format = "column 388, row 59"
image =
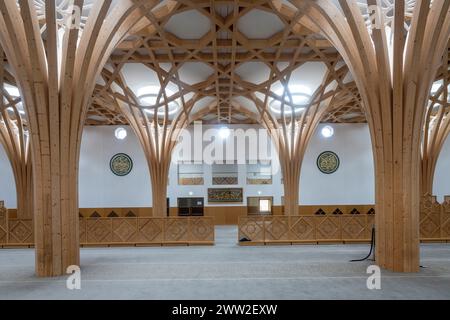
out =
column 120, row 133
column 301, row 97
column 224, row 133
column 148, row 97
column 327, row 132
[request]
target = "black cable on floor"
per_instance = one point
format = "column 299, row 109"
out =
column 372, row 247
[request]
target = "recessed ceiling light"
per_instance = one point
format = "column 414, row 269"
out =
column 148, row 97
column 327, row 132
column 120, row 133
column 300, row 95
column 224, row 132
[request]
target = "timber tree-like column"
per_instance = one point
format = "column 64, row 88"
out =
column 157, row 120
column 14, row 137
column 56, row 50
column 292, row 129
column 437, row 127
column 387, row 48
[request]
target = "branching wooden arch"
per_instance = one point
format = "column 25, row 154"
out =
column 437, row 126
column 14, row 136
column 293, row 131
column 157, row 131
column 55, row 67
column 395, row 93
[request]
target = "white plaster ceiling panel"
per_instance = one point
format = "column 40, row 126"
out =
column 138, row 76
column 282, row 65
column 348, row 78
column 188, row 25
column 195, row 72
column 331, row 86
column 310, row 75
column 224, row 10
column 209, row 117
column 260, row 96
column 166, row 66
column 240, row 117
column 254, row 72
column 117, row 88
column 202, row 103
column 246, row 103
column 188, row 96
column 259, row 24
column 289, row 4
column 277, row 87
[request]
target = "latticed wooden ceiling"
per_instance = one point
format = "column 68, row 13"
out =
column 228, row 54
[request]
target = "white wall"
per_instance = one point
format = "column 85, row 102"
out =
column 7, row 184
column 99, row 187
column 441, row 183
column 353, row 183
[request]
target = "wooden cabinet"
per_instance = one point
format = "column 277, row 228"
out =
column 191, row 207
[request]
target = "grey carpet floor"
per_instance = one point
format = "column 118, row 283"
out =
column 227, row 271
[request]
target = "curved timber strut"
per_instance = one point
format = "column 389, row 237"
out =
column 293, row 130
column 14, row 136
column 56, row 68
column 157, row 131
column 437, row 126
column 395, row 94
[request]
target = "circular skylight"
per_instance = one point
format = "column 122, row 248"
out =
column 148, row 97
column 297, row 95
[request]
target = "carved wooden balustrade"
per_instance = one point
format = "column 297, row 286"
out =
column 3, row 223
column 135, row 231
column 434, row 219
column 305, row 229
column 342, row 228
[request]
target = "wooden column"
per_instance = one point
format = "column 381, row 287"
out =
column 56, row 62
column 395, row 94
column 292, row 130
column 157, row 130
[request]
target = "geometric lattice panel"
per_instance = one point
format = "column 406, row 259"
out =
column 430, row 217
column 302, row 228
column 20, row 231
column 354, row 227
column 175, row 230
column 3, row 223
column 251, row 228
column 277, row 229
column 150, row 230
column 200, row 230
column 99, row 230
column 328, row 228
column 121, row 230
column 124, row 229
column 446, row 218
